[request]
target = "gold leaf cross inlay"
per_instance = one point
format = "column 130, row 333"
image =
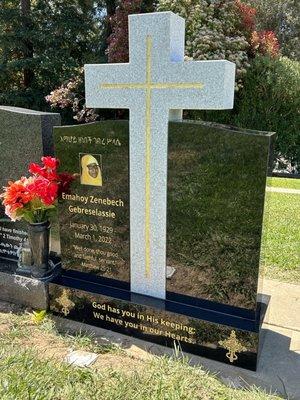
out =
column 65, row 303
column 233, row 346
column 148, row 86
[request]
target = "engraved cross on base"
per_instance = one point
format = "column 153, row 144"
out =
column 155, row 86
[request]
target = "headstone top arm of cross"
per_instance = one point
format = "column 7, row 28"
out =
column 156, row 61
column 167, row 31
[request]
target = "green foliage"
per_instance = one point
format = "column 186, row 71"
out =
column 283, row 17
column 51, row 42
column 24, row 374
column 213, row 31
column 118, row 49
column 147, row 6
column 269, row 101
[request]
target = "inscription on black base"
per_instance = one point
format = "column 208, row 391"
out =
column 163, row 322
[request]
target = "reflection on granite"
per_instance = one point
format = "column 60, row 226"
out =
column 156, row 325
column 215, row 203
column 8, row 266
column 216, row 190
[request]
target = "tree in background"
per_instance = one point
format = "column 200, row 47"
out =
column 270, row 101
column 268, row 95
column 28, row 73
column 43, row 43
column 70, row 95
column 222, row 29
column 108, row 9
column 148, row 6
column 117, row 50
column 214, row 31
column 235, row 30
column 265, row 42
column 283, row 18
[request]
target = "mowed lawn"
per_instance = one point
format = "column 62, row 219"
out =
column 32, row 368
column 284, row 183
column 281, row 240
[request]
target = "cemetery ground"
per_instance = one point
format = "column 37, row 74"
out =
column 282, row 235
column 32, row 356
column 32, row 367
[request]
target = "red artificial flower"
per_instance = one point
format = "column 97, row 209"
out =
column 50, row 162
column 36, row 169
column 16, row 196
column 65, row 180
column 48, row 170
column 32, row 198
column 43, row 189
column 16, row 193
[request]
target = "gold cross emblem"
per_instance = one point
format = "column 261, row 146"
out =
column 233, row 346
column 65, row 302
column 148, row 86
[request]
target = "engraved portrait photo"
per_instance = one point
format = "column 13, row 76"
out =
column 90, row 169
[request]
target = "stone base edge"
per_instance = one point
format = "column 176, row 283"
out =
column 24, row 291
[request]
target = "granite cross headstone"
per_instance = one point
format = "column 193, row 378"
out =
column 155, row 86
column 208, row 179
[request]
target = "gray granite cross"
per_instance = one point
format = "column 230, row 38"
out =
column 156, row 85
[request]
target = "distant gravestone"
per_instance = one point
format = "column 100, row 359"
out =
column 25, row 136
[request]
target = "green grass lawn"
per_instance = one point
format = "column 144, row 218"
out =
column 284, row 183
column 281, row 240
column 32, row 368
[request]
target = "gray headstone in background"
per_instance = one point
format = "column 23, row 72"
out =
column 25, row 136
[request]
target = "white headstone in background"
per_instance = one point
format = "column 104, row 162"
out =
column 155, row 86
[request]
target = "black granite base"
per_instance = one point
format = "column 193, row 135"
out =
column 220, row 332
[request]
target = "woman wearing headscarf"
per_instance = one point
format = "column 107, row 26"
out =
column 90, row 171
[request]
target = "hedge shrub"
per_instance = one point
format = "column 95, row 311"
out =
column 269, row 101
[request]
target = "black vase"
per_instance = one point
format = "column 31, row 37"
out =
column 38, row 237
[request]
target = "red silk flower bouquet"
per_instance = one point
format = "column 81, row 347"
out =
column 34, row 199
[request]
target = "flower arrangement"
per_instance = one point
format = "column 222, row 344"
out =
column 34, row 199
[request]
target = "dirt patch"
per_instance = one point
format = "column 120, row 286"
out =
column 4, row 328
column 118, row 362
column 48, row 345
column 195, row 282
